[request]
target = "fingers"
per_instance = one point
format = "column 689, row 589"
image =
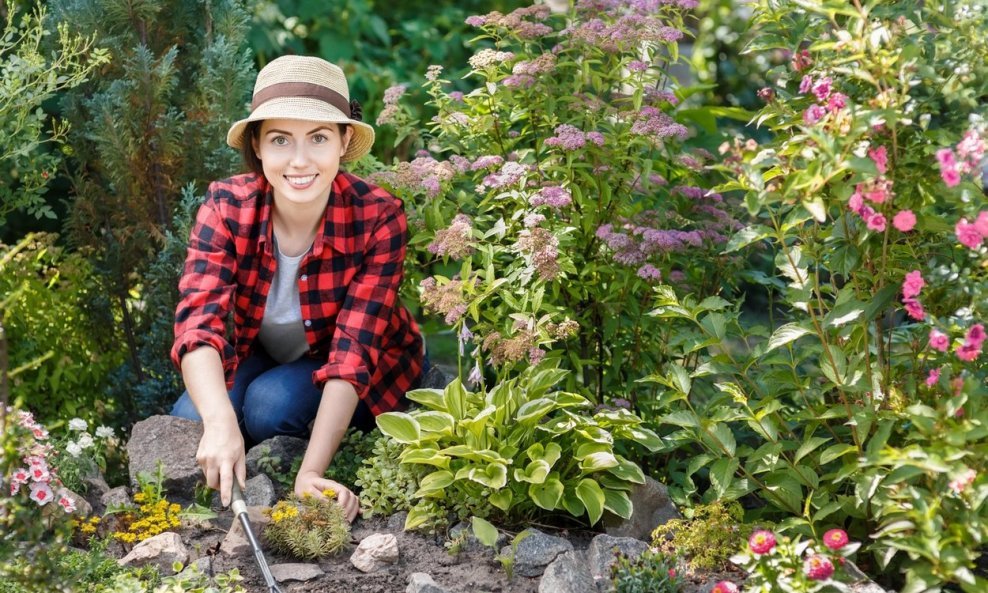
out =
column 315, row 486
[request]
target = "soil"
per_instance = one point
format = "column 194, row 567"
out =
column 473, row 570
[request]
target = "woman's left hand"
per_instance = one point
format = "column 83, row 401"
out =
column 314, row 484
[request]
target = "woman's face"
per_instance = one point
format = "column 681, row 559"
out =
column 300, row 158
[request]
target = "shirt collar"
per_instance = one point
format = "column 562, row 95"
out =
column 334, row 232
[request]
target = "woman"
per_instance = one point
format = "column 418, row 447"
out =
column 309, row 260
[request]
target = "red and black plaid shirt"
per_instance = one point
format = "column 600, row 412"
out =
column 348, row 286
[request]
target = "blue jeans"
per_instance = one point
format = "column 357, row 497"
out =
column 273, row 399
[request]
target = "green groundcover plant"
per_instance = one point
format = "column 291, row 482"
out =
column 863, row 407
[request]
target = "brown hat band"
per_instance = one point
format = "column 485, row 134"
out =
column 302, row 90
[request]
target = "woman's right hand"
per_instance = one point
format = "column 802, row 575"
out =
column 221, row 457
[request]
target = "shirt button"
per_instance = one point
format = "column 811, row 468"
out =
column 303, row 277
column 308, row 323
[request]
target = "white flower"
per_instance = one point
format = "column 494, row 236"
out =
column 78, row 424
column 41, row 493
column 86, row 440
column 67, row 503
column 73, row 449
column 104, row 432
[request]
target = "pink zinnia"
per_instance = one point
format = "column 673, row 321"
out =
column 725, row 587
column 968, row 234
column 880, row 157
column 933, row 378
column 761, row 541
column 915, row 309
column 876, row 222
column 835, row 539
column 818, row 568
column 904, row 221
column 939, row 340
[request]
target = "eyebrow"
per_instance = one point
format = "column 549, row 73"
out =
column 319, row 129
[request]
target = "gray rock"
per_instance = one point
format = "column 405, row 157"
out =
column 535, row 552
column 568, row 573
column 275, row 456
column 867, row 587
column 95, row 488
column 162, row 550
column 117, row 497
column 421, row 582
column 296, row 572
column 173, row 441
column 259, row 491
column 396, row 522
column 652, row 507
column 235, row 543
column 600, row 556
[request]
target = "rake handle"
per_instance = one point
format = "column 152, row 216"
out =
column 239, row 508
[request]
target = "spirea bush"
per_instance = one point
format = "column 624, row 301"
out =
column 549, row 200
column 862, row 405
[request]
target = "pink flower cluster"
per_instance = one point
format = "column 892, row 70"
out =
column 553, row 196
column 961, row 483
column 456, row 241
column 542, row 249
column 828, row 100
column 878, row 191
column 650, row 121
column 613, row 28
column 965, row 158
column 37, row 478
column 911, row 287
column 523, row 22
column 972, row 234
column 423, row 174
column 572, row 138
column 525, row 73
column 509, row 174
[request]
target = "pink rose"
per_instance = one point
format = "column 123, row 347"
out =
column 933, row 378
column 904, row 221
column 913, row 284
column 950, row 176
column 968, row 234
column 836, row 102
column 939, row 340
column 876, row 222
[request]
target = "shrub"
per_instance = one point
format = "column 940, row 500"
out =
column 707, row 538
column 652, row 572
column 864, row 406
column 502, row 451
column 556, row 193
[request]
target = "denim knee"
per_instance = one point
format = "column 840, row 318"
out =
column 184, row 408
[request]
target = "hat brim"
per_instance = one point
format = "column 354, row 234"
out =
column 305, row 109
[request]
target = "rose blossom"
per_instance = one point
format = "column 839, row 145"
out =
column 904, row 221
column 933, row 378
column 915, row 309
column 761, row 541
column 968, row 234
column 835, row 539
column 939, row 340
column 876, row 222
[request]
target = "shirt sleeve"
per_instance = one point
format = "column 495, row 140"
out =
column 206, row 289
column 368, row 308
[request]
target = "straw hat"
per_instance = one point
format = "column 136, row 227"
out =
column 309, row 89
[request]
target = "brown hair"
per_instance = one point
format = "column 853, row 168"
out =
column 253, row 132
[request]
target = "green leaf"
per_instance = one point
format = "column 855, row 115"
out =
column 746, row 237
column 785, row 334
column 501, row 499
column 534, row 410
column 534, row 473
column 618, row 502
column 808, row 447
column 430, row 398
column 834, row 452
column 434, row 482
column 722, row 473
column 400, row 426
column 484, row 531
column 548, row 494
column 684, row 418
column 627, row 470
column 455, row 399
column 425, row 456
column 597, row 461
column 492, row 475
column 680, row 378
column 435, row 422
column 592, row 497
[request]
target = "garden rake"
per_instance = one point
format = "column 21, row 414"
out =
column 239, row 508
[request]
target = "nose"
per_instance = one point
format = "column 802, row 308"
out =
column 300, row 156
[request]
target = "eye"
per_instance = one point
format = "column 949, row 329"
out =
column 320, row 138
column 279, row 141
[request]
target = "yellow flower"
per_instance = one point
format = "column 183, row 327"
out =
column 138, row 497
column 329, row 493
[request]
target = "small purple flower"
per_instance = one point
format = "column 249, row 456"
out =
column 456, row 96
column 637, row 66
column 813, row 114
column 822, row 88
column 596, row 137
column 649, row 272
column 476, row 21
column 806, row 84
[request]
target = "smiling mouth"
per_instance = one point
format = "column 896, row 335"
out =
column 300, row 182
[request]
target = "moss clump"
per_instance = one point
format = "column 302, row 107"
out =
column 706, row 538
column 308, row 528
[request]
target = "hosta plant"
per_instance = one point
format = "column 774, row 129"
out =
column 521, row 450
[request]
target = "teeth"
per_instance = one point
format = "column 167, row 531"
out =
column 300, row 180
